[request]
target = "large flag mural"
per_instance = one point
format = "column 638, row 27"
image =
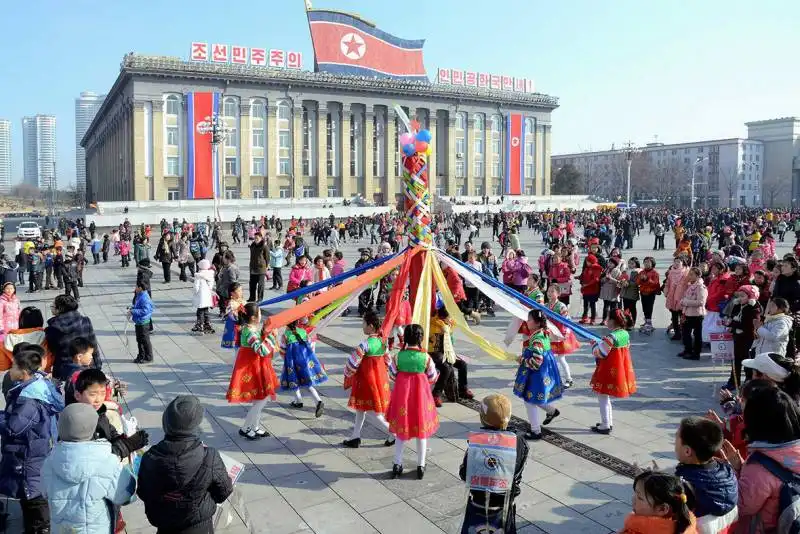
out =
column 346, row 44
column 515, row 155
column 202, row 177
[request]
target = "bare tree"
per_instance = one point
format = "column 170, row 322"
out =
column 592, row 180
column 776, row 188
column 730, row 184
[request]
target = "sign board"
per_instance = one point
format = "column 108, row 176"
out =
column 721, row 346
column 445, row 76
column 203, row 52
column 491, row 460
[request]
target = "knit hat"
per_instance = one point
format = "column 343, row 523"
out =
column 591, row 259
column 77, row 422
column 495, row 411
column 752, row 292
column 204, row 265
column 182, row 416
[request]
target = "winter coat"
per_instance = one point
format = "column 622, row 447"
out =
column 675, row 285
column 183, row 252
column 651, row 524
column 773, row 335
column 259, row 257
column 693, row 303
column 29, row 335
column 203, row 289
column 608, row 284
column 60, row 331
column 28, row 433
column 590, row 279
column 742, row 316
column 759, row 489
column 297, row 274
column 181, row 482
column 455, row 285
column 277, row 257
column 648, row 282
column 720, row 290
column 163, row 252
column 83, row 480
column 9, row 314
column 521, row 272
column 714, row 486
column 788, row 287
column 630, row 291
column 229, row 275
column 142, row 309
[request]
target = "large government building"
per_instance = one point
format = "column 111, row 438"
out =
column 293, row 134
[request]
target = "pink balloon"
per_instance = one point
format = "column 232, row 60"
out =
column 421, row 146
column 406, row 138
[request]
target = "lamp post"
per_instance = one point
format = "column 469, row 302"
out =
column 630, row 151
column 698, row 161
column 214, row 126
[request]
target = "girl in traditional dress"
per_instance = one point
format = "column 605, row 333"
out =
column 613, row 376
column 570, row 343
column 538, row 381
column 231, row 333
column 301, row 368
column 411, row 412
column 253, row 379
column 367, row 373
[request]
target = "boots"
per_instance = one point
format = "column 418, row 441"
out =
column 476, row 316
column 197, row 327
column 207, row 329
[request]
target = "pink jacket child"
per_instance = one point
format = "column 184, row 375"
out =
column 521, row 272
column 674, row 287
column 693, row 303
column 9, row 310
column 561, row 274
column 759, row 490
column 124, row 248
column 339, row 267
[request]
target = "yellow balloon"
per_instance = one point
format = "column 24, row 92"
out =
column 429, row 150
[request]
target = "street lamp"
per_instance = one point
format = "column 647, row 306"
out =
column 214, row 126
column 697, row 162
column 630, row 150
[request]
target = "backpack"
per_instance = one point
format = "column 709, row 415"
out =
column 789, row 496
column 194, row 247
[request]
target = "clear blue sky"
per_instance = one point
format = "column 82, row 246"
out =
column 623, row 69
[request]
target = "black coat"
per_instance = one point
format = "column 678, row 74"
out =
column 181, row 482
column 60, row 331
column 788, row 287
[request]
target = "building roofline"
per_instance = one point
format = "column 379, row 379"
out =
column 135, row 64
column 657, row 147
column 772, row 121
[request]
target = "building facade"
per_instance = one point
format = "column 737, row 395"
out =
column 86, row 107
column 39, row 151
column 5, row 156
column 727, row 172
column 781, row 141
column 294, row 134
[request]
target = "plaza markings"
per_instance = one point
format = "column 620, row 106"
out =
column 519, row 425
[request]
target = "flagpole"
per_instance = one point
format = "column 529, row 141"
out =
column 308, row 7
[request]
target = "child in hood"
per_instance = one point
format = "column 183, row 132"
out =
column 203, row 298
column 9, row 310
column 590, row 288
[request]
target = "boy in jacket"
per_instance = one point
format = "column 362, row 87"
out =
column 28, row 432
column 141, row 313
column 181, row 481
column 742, row 325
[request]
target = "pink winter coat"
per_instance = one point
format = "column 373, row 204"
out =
column 759, row 490
column 9, row 314
column 674, row 287
column 693, row 303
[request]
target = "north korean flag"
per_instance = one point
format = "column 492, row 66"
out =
column 346, row 44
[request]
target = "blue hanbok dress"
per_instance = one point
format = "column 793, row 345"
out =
column 301, row 367
column 538, row 380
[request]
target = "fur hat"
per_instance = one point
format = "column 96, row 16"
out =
column 203, row 265
column 495, row 411
column 752, row 292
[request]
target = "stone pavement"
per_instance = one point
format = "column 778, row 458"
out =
column 302, row 480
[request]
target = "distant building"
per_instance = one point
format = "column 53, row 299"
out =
column 781, row 140
column 5, row 156
column 728, row 172
column 86, row 107
column 39, row 151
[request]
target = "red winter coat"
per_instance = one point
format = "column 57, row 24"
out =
column 648, row 281
column 721, row 289
column 455, row 284
column 590, row 279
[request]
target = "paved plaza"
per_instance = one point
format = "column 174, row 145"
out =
column 302, row 480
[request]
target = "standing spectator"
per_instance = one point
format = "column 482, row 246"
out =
column 141, row 314
column 590, row 288
column 277, row 256
column 259, row 259
column 787, row 286
column 9, row 310
column 609, row 287
column 228, row 275
column 649, row 286
column 202, row 298
column 629, row 283
column 164, row 255
column 67, row 324
column 693, row 306
column 674, row 287
column 772, row 333
column 181, row 480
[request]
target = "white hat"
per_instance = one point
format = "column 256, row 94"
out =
column 764, row 364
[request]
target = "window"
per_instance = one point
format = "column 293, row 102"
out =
column 330, row 145
column 377, row 138
column 477, row 123
column 439, row 190
column 529, row 190
column 496, row 169
column 231, row 193
column 307, row 132
column 477, row 168
column 459, row 190
column 674, row 151
column 283, row 192
column 283, row 111
column 496, row 145
column 257, row 193
column 259, row 167
column 172, row 135
column 283, row 126
column 173, row 105
column 529, row 126
column 355, row 137
column 685, row 150
column 284, row 167
column 258, row 109
column 258, row 138
column 496, row 190
column 461, row 121
column 308, row 191
column 478, row 190
column 529, row 151
column 173, row 194
column 528, row 170
column 230, row 167
column 478, row 144
column 232, row 138
column 758, row 157
column 686, row 161
column 230, row 108
column 284, row 139
column 173, row 166
column 460, row 145
column 332, row 191
column 460, row 169
column 699, row 150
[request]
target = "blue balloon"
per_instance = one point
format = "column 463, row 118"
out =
column 409, row 149
column 424, row 135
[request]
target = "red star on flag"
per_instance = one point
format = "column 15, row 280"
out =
column 353, row 46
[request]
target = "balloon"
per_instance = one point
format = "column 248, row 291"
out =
column 421, row 146
column 409, row 149
column 429, row 150
column 406, row 138
column 424, row 135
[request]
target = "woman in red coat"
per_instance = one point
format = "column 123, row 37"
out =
column 590, row 288
column 720, row 290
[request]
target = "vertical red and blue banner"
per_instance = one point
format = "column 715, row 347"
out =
column 202, row 176
column 515, row 177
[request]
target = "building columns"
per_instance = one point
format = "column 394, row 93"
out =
column 245, row 158
column 272, row 157
column 469, row 156
column 296, row 185
column 391, row 157
column 322, row 150
column 139, row 178
column 369, row 154
column 345, row 148
column 546, row 150
column 450, row 178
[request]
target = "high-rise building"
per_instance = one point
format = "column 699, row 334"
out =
column 86, row 107
column 5, row 156
column 39, row 151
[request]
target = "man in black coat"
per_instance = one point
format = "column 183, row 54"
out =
column 181, row 481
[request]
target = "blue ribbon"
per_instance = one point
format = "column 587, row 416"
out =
column 578, row 329
column 330, row 281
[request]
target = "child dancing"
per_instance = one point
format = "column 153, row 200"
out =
column 253, row 379
column 570, row 343
column 613, row 376
column 411, row 412
column 231, row 332
column 301, row 368
column 538, row 381
column 366, row 372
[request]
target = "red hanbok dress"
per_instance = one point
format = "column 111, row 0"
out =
column 570, row 343
column 412, row 412
column 614, row 374
column 367, row 373
column 253, row 376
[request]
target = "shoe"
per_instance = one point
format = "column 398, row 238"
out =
column 248, row 433
column 597, row 429
column 296, row 404
column 437, row 400
column 689, row 356
column 139, row 360
column 550, row 417
column 676, row 337
column 397, row 470
column 320, row 409
column 352, row 443
column 682, row 353
column 261, row 432
column 532, row 436
column 197, row 328
column 584, row 320
column 389, row 442
column 420, row 472
column 466, row 393
column 208, row 329
column 568, row 384
column 476, row 317
column 490, row 312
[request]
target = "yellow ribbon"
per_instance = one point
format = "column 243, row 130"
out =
column 421, row 314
